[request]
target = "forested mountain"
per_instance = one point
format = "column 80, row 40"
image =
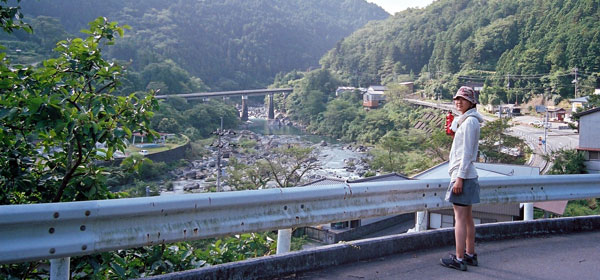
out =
column 230, row 44
column 539, row 42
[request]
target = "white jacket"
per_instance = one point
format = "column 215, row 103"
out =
column 465, row 145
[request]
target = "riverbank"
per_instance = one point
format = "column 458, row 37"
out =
column 254, row 141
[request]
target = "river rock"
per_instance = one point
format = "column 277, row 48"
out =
column 192, row 186
column 200, row 175
column 189, row 174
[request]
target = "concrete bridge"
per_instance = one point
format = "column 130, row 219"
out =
column 243, row 93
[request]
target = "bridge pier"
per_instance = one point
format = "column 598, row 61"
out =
column 271, row 107
column 244, row 116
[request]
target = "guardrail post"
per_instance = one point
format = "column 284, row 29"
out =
column 422, row 221
column 60, row 269
column 528, row 211
column 284, row 240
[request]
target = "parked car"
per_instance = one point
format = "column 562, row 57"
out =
column 144, row 152
column 536, row 123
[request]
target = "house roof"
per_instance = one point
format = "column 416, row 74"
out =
column 590, row 111
column 385, row 177
column 324, row 182
column 555, row 109
column 335, row 181
column 483, row 170
column 580, row 100
column 378, row 88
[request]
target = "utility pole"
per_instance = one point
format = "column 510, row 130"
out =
column 575, row 81
column 545, row 131
column 220, row 133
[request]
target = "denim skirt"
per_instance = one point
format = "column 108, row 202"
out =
column 469, row 195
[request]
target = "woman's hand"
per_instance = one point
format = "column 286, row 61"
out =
column 458, row 186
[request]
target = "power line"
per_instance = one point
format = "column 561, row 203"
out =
column 511, row 76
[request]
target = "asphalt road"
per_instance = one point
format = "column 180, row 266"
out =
column 556, row 139
column 571, row 256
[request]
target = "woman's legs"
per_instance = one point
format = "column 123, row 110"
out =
column 470, row 242
column 464, row 230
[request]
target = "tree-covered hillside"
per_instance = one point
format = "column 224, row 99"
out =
column 538, row 42
column 229, row 44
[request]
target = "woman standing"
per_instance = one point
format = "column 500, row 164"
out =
column 463, row 191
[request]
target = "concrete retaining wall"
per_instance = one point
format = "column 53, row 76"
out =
column 360, row 250
column 164, row 156
column 330, row 237
column 170, row 155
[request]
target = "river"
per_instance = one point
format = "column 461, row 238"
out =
column 332, row 155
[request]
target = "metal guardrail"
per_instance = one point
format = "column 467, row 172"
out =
column 57, row 230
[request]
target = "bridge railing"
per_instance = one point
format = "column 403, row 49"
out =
column 60, row 230
column 199, row 95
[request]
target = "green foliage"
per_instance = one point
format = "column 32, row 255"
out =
column 582, row 208
column 195, row 120
column 287, row 165
column 248, row 177
column 160, row 259
column 337, row 117
column 538, row 41
column 230, row 45
column 52, row 117
column 567, row 162
column 394, row 144
column 310, row 97
column 439, row 144
column 495, row 143
column 11, row 18
column 593, row 102
column 402, row 151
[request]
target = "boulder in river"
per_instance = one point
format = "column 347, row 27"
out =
column 192, row 186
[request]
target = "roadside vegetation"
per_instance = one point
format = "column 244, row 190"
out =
column 60, row 99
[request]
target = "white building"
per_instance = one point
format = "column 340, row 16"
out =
column 486, row 213
column 589, row 133
column 374, row 96
column 577, row 103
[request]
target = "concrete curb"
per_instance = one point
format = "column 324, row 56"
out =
column 366, row 249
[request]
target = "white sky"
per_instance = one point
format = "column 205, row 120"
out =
column 394, row 6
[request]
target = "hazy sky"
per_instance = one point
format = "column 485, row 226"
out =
column 393, row 6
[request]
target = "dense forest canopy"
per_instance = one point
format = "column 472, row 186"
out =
column 222, row 45
column 540, row 40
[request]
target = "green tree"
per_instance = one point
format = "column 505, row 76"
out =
column 337, row 117
column 495, row 143
column 169, row 125
column 439, row 144
column 11, row 18
column 248, row 177
column 567, row 162
column 394, row 143
column 287, row 165
column 53, row 117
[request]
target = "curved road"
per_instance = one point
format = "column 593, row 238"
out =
column 562, row 256
column 557, row 139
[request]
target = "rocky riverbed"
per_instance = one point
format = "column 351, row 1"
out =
column 335, row 160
